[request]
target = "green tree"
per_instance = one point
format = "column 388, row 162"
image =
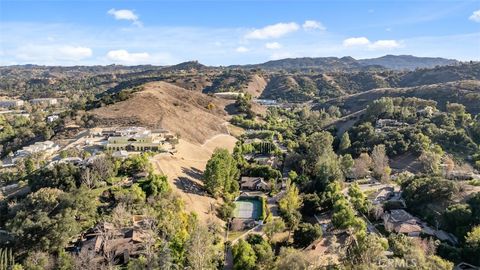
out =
column 344, row 143
column 290, row 204
column 472, row 246
column 272, row 227
column 221, row 174
column 306, row 233
column 244, row 257
column 457, row 219
column 358, row 198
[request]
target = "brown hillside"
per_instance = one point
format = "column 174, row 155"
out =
column 256, row 85
column 164, row 105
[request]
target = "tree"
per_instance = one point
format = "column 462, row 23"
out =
column 472, row 246
column 382, row 107
column 344, row 216
column 221, row 174
column 272, row 227
column 457, row 219
column 346, row 164
column 290, row 204
column 381, row 170
column 362, row 166
column 344, row 143
column 368, row 249
column 200, row 253
column 244, row 257
column 306, row 233
column 292, row 259
column 358, row 199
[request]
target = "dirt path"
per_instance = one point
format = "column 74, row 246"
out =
column 185, row 168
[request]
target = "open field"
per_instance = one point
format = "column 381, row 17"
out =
column 185, row 169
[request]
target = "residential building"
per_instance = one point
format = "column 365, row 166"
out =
column 11, row 103
column 253, row 183
column 400, row 221
column 44, row 101
column 47, row 147
column 52, row 118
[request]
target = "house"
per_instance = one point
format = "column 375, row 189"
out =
column 400, row 221
column 47, row 147
column 253, row 183
column 52, row 118
column 385, row 194
column 385, row 123
column 44, row 101
column 120, row 243
column 228, row 95
column 137, row 143
column 11, row 103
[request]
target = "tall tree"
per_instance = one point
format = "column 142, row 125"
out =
column 381, row 169
column 221, row 174
column 244, row 257
column 344, row 143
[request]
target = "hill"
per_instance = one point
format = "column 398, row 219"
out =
column 407, row 62
column 329, row 64
column 165, row 105
column 463, row 92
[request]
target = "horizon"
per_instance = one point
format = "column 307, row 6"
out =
column 162, row 33
column 234, row 65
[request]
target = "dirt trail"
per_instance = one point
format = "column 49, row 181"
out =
column 185, row 168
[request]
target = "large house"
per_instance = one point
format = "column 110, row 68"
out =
column 137, row 143
column 253, row 183
column 11, row 103
column 400, row 221
column 44, row 101
column 47, row 147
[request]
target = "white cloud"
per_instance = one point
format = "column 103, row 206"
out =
column 125, row 14
column 273, row 31
column 242, row 49
column 273, row 45
column 475, row 16
column 124, row 56
column 313, row 25
column 356, row 41
column 384, row 44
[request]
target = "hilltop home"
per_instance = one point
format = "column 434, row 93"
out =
column 137, row 143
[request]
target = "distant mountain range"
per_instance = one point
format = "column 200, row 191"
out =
column 395, row 62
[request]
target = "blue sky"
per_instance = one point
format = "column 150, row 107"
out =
column 102, row 32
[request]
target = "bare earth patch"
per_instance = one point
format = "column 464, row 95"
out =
column 185, row 168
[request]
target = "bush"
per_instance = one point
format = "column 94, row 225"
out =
column 306, row 234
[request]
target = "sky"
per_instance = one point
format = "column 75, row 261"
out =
column 102, row 32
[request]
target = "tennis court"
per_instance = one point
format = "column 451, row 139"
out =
column 248, row 208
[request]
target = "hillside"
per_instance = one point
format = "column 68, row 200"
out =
column 464, row 92
column 164, row 105
column 329, row 64
column 407, row 62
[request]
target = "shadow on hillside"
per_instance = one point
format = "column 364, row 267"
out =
column 188, row 184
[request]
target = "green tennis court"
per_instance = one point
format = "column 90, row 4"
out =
column 248, row 208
